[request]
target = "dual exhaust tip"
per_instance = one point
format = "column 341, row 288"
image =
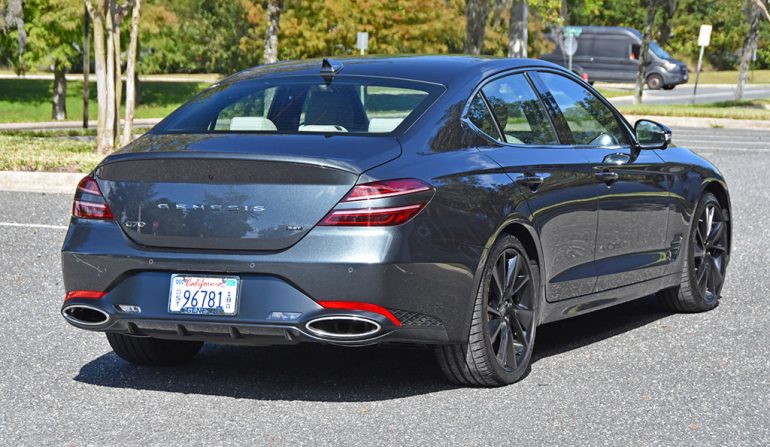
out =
column 336, row 327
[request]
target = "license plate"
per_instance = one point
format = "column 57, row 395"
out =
column 204, row 295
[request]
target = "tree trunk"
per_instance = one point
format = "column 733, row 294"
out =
column 644, row 56
column 100, row 66
column 109, row 134
column 86, row 67
column 517, row 32
column 476, row 13
column 274, row 8
column 128, row 128
column 117, row 17
column 59, row 111
column 749, row 45
column 497, row 12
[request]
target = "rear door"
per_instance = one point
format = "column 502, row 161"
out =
column 631, row 186
column 555, row 179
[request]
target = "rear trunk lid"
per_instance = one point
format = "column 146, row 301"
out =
column 233, row 192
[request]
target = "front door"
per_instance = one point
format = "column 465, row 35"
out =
column 633, row 201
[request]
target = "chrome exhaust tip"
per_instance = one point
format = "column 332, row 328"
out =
column 341, row 327
column 83, row 315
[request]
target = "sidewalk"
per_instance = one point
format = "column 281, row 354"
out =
column 48, row 182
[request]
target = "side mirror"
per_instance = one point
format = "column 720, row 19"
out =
column 652, row 135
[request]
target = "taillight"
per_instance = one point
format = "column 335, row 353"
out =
column 367, row 216
column 89, row 202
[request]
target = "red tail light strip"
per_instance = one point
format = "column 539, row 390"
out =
column 90, row 294
column 89, row 202
column 372, row 217
column 355, row 305
column 387, row 188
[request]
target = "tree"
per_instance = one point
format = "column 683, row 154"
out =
column 644, row 57
column 53, row 34
column 518, row 29
column 12, row 16
column 273, row 17
column 476, row 13
column 755, row 10
column 128, row 129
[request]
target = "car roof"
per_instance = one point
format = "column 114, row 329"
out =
column 436, row 69
column 606, row 30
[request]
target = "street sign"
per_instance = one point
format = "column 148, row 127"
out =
column 570, row 44
column 704, row 36
column 573, row 30
column 362, row 41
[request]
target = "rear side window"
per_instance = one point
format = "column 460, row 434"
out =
column 519, row 111
column 304, row 104
column 590, row 121
column 478, row 114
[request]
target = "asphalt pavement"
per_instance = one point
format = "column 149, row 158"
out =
column 630, row 375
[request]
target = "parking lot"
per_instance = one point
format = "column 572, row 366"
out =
column 631, row 375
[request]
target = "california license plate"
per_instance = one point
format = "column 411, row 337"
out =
column 204, row 295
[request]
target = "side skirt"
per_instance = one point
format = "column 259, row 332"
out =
column 588, row 303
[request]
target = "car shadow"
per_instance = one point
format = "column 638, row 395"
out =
column 334, row 374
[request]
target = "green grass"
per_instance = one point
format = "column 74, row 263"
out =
column 607, row 93
column 29, row 100
column 746, row 109
column 35, row 153
column 731, row 77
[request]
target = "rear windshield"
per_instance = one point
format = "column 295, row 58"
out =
column 290, row 105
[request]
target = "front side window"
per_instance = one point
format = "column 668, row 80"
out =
column 590, row 121
column 304, row 104
column 519, row 112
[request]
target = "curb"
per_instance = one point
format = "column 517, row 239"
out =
column 47, row 182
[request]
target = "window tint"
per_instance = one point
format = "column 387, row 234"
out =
column 590, row 121
column 304, row 104
column 479, row 115
column 519, row 111
column 610, row 48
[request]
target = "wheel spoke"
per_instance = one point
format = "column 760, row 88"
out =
column 523, row 314
column 698, row 251
column 494, row 311
column 716, row 232
column 521, row 334
column 495, row 327
column 512, row 272
column 721, row 248
column 520, row 285
column 497, row 283
column 505, row 340
column 702, row 278
column 716, row 275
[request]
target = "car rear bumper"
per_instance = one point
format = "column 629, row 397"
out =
column 430, row 300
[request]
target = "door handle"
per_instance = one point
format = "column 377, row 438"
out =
column 607, row 177
column 530, row 181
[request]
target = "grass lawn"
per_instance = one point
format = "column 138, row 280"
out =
column 731, row 77
column 46, row 153
column 29, row 100
column 746, row 109
column 607, row 93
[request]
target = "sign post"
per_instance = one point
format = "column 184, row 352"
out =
column 362, row 42
column 570, row 44
column 704, row 37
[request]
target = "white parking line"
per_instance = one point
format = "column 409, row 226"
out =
column 31, row 225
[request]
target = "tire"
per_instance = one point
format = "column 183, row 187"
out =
column 153, row 351
column 499, row 345
column 654, row 81
column 668, row 87
column 703, row 270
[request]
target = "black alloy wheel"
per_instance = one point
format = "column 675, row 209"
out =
column 502, row 333
column 708, row 253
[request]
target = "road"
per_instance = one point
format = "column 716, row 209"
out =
column 682, row 94
column 632, row 375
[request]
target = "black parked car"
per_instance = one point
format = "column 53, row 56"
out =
column 612, row 54
column 457, row 202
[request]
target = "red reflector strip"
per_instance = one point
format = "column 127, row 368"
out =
column 90, row 294
column 91, row 210
column 354, row 305
column 372, row 217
